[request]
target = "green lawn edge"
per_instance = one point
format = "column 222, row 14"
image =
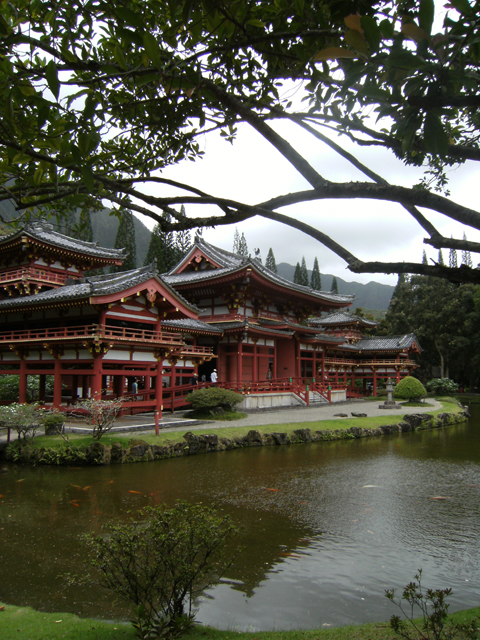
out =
column 172, row 437
column 24, row 623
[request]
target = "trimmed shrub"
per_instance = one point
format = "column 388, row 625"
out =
column 53, row 423
column 442, row 386
column 213, row 397
column 410, row 389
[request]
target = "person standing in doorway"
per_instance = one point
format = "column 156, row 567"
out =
column 213, row 377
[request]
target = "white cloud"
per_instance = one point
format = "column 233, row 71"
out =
column 252, row 171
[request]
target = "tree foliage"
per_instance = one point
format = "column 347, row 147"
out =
column 410, row 388
column 98, row 98
column 25, row 419
column 316, row 278
column 334, row 288
column 207, row 399
column 125, row 239
column 444, row 318
column 163, row 559
column 270, row 262
column 100, row 413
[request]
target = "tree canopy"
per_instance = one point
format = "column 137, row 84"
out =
column 98, row 98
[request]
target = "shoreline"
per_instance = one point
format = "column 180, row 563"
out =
column 132, row 446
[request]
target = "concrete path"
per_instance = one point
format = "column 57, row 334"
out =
column 177, row 422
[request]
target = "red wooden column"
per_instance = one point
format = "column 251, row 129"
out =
column 158, row 392
column 57, row 381
column 374, row 381
column 255, row 362
column 97, row 378
column 298, row 372
column 22, row 391
column 240, row 363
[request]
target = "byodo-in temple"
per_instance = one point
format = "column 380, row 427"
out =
column 272, row 340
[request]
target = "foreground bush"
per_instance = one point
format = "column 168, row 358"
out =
column 161, row 562
column 213, row 397
column 25, row 419
column 433, row 623
column 410, row 389
column 442, row 386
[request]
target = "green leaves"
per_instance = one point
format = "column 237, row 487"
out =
column 51, row 74
column 435, row 137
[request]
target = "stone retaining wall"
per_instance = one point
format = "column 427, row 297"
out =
column 140, row 451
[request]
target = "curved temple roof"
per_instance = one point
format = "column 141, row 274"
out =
column 45, row 233
column 94, row 286
column 227, row 263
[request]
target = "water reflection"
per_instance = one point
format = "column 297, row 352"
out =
column 325, row 527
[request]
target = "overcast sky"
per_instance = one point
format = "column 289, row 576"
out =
column 252, row 171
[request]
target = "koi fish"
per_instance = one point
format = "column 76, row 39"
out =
column 267, row 489
column 89, row 487
column 138, row 492
column 440, row 498
column 75, row 504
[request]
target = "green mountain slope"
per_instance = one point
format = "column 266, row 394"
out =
column 372, row 295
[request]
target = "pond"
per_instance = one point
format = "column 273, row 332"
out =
column 326, row 527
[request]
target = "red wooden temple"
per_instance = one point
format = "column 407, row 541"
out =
column 97, row 334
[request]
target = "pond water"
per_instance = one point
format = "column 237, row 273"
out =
column 326, row 527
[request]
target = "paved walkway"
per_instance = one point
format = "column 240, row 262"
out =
column 177, row 422
column 145, row 423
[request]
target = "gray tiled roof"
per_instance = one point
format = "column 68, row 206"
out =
column 44, row 232
column 387, row 343
column 92, row 286
column 230, row 263
column 342, row 318
column 245, row 324
column 189, row 324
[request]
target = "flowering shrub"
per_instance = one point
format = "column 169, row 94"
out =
column 101, row 414
column 442, row 386
column 23, row 418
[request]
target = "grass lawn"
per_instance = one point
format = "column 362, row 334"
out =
column 449, row 405
column 23, row 623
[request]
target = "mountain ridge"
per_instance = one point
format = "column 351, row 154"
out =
column 373, row 295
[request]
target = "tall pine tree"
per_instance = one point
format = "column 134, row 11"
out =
column 452, row 258
column 242, row 247
column 125, row 239
column 334, row 288
column 155, row 248
column 270, row 261
column 297, row 276
column 466, row 257
column 83, row 228
column 304, row 273
column 236, row 241
column 316, row 279
column 162, row 247
column 183, row 240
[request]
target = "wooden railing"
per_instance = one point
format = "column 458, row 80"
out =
column 92, row 332
column 51, row 277
column 383, row 362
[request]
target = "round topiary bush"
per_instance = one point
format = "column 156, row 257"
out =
column 410, row 389
column 213, row 397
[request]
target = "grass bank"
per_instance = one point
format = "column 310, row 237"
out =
column 449, row 405
column 23, row 623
